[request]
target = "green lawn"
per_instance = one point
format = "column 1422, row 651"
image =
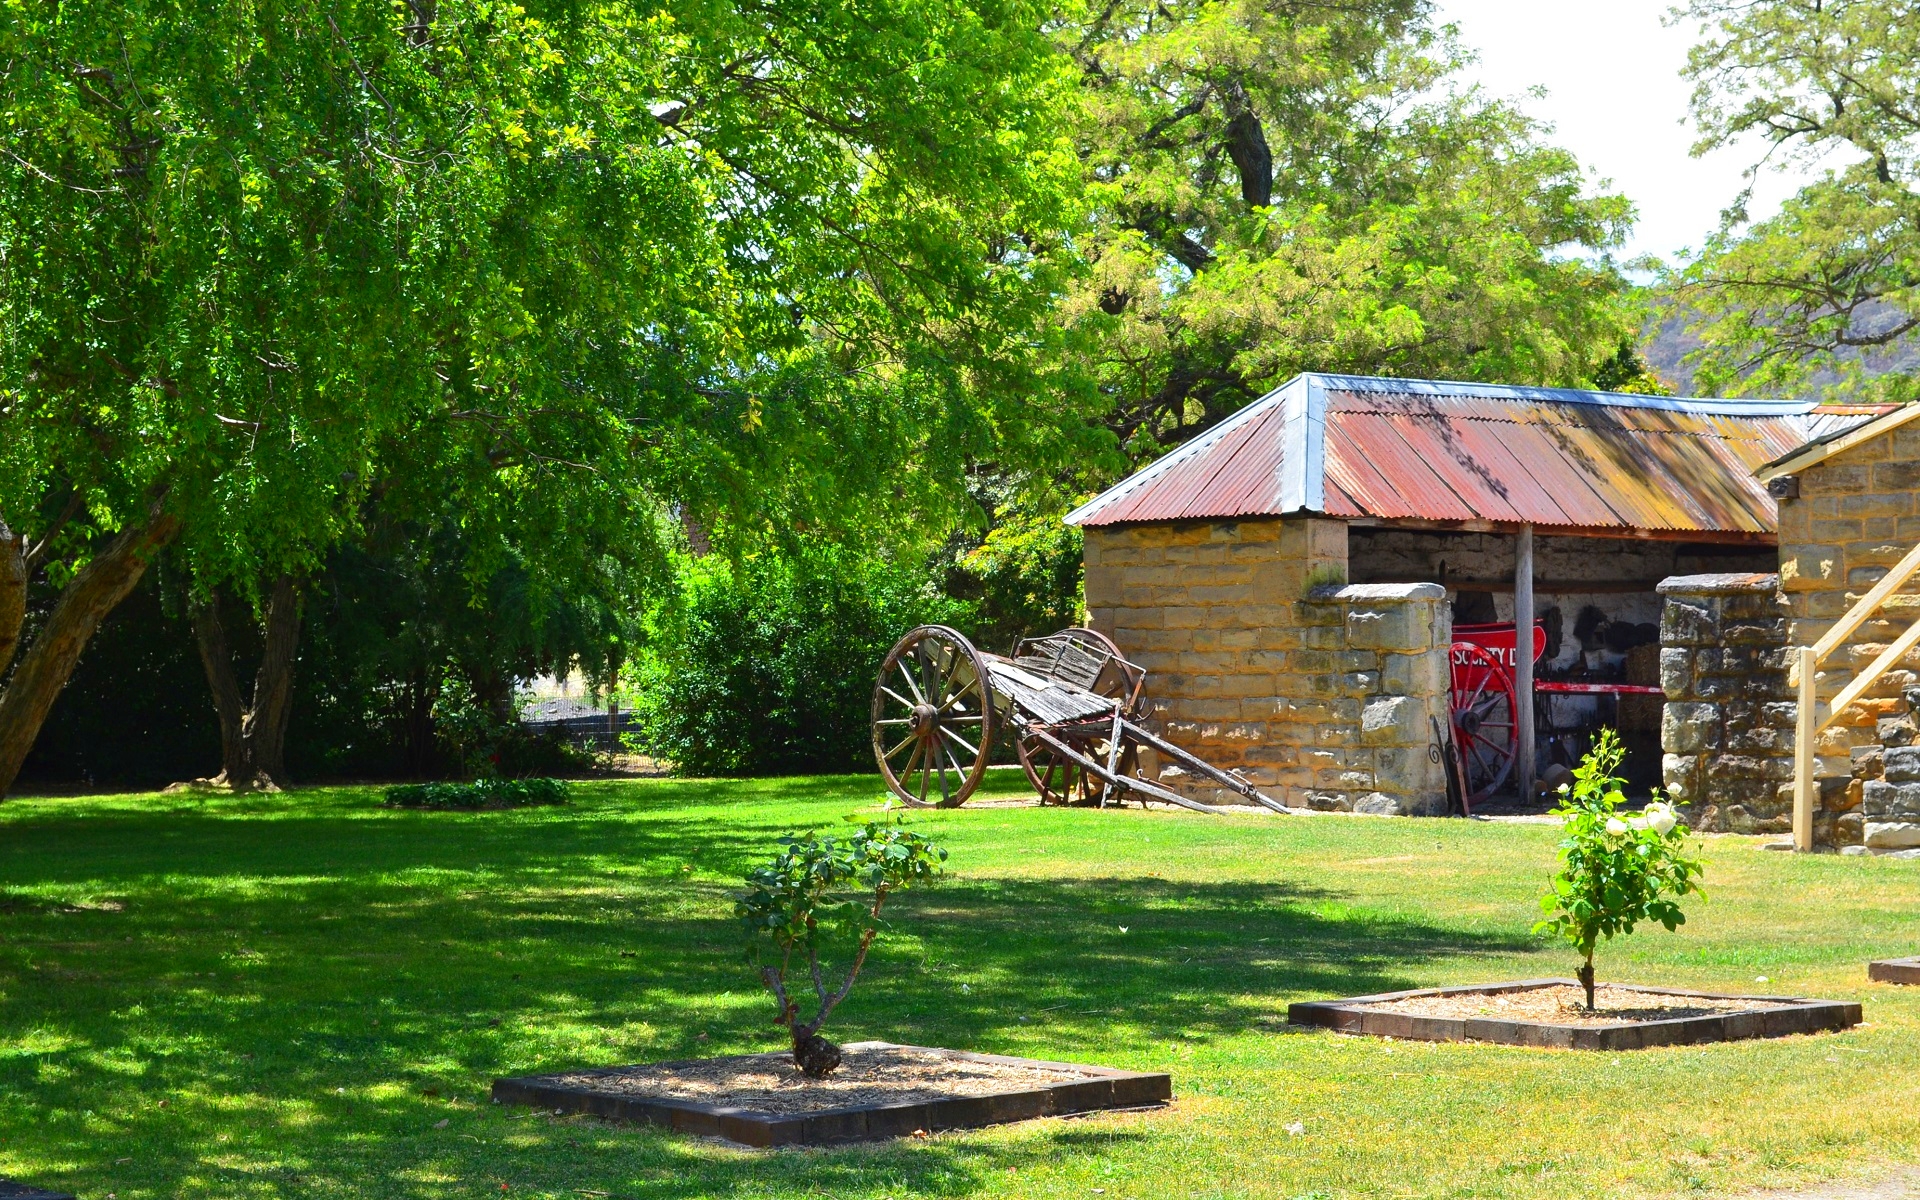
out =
column 307, row 995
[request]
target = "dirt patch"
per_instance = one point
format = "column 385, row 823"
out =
column 1903, row 1186
column 770, row 1083
column 1562, row 1005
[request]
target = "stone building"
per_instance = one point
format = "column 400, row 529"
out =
column 1847, row 514
column 1291, row 578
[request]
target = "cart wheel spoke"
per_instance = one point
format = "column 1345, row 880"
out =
column 913, row 687
column 973, row 750
column 972, row 685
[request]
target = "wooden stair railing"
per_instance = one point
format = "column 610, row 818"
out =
column 1805, row 670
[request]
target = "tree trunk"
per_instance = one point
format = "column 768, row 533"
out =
column 13, row 592
column 273, row 686
column 83, row 604
column 253, row 737
column 1586, row 979
column 210, row 635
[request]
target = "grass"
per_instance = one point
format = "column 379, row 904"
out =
column 307, row 995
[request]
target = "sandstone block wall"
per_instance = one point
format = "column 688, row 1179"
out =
column 1727, row 727
column 1260, row 661
column 1855, row 516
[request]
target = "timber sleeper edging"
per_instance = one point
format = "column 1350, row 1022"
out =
column 1894, row 970
column 1100, row 1089
column 1780, row 1016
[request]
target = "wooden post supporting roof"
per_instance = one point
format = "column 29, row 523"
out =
column 1523, row 660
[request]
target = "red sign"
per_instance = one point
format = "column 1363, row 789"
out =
column 1496, row 640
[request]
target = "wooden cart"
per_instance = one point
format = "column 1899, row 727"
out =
column 1069, row 702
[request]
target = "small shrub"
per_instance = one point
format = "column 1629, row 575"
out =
column 1614, row 871
column 480, row 793
column 814, row 889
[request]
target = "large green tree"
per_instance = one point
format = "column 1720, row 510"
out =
column 1830, row 286
column 570, row 262
column 1287, row 185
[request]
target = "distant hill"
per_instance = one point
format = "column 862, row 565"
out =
column 1666, row 343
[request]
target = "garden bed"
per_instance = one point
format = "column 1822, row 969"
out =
column 1552, row 1013
column 481, row 795
column 13, row 1189
column 1895, row 970
column 881, row 1090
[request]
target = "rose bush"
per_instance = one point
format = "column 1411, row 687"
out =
column 1614, row 871
column 816, row 887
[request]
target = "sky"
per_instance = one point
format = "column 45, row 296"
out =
column 1617, row 100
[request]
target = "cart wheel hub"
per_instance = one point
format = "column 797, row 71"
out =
column 922, row 720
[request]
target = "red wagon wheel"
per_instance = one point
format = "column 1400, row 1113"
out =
column 932, row 717
column 1484, row 727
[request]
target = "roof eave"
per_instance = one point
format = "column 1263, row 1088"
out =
column 1814, row 453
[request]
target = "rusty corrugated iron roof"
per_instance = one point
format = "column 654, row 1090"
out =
column 1355, row 446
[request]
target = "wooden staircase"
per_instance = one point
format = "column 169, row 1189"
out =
column 1804, row 670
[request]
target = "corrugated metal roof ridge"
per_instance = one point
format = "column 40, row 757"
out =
column 1508, row 391
column 1766, row 413
column 1189, row 449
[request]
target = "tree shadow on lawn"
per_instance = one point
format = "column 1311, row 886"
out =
column 254, row 965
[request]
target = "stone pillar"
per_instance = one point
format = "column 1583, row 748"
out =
column 1392, row 661
column 1727, row 729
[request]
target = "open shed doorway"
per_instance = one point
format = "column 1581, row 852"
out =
column 1595, row 600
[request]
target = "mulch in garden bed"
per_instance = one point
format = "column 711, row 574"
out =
column 1552, row 1013
column 881, row 1090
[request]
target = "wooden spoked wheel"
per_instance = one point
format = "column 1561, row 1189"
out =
column 1484, row 726
column 1059, row 779
column 933, row 718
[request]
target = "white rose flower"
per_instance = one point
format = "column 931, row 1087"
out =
column 1661, row 818
column 1636, row 823
column 1616, row 825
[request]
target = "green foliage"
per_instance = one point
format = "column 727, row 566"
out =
column 538, row 274
column 818, row 890
column 1627, row 372
column 416, row 634
column 483, row 793
column 1023, row 579
column 1614, row 871
column 1282, row 187
column 1824, row 292
column 767, row 665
